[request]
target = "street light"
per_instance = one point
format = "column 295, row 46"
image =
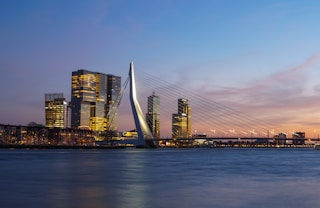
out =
column 213, row 131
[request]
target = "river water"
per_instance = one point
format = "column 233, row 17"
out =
column 160, row 178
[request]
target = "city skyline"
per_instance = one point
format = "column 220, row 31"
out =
column 261, row 57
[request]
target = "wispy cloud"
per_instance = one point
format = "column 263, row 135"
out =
column 281, row 78
column 279, row 98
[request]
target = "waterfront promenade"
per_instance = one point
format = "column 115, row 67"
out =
column 40, row 137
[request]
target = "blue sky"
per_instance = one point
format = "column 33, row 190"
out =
column 261, row 56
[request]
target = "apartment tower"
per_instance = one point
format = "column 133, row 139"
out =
column 56, row 111
column 181, row 121
column 153, row 115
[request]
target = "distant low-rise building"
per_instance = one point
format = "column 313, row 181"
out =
column 280, row 139
column 298, row 138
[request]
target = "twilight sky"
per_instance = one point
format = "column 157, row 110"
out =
column 259, row 57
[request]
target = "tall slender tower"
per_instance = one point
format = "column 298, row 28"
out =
column 113, row 99
column 153, row 115
column 181, row 121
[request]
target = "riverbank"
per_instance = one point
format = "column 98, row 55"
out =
column 15, row 146
column 29, row 146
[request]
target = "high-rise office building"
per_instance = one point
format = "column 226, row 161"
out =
column 56, row 111
column 113, row 99
column 91, row 96
column 181, row 121
column 153, row 115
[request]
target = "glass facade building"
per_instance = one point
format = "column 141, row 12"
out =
column 181, row 121
column 56, row 111
column 153, row 115
column 113, row 101
column 90, row 98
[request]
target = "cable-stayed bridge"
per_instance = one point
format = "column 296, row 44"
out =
column 202, row 118
column 210, row 119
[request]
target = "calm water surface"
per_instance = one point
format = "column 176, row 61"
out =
column 160, row 178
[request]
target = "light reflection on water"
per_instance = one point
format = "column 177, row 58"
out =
column 160, row 178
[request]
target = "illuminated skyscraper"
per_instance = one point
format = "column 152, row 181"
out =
column 181, row 121
column 113, row 99
column 91, row 99
column 153, row 115
column 56, row 110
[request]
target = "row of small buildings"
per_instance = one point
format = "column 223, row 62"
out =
column 40, row 135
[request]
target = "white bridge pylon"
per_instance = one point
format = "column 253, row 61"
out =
column 145, row 137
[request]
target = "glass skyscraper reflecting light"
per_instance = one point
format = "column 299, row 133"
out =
column 93, row 95
column 153, row 115
column 56, row 110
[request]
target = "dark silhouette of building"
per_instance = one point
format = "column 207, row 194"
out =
column 298, row 138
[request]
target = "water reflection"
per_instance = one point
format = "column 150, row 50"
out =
column 133, row 180
column 77, row 181
column 160, row 178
